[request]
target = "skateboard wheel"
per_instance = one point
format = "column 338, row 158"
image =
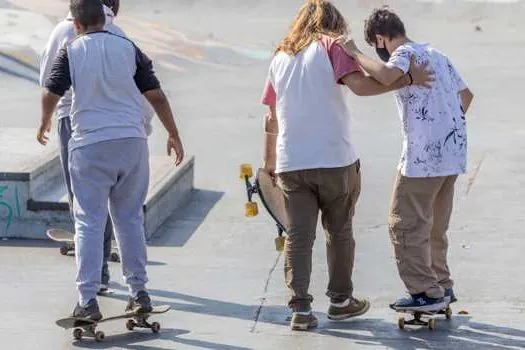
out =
column 251, row 209
column 401, row 323
column 279, row 243
column 448, row 313
column 155, row 327
column 431, row 324
column 114, row 257
column 130, row 325
column 99, row 336
column 246, row 171
column 78, row 333
column 64, row 250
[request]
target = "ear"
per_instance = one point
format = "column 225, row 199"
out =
column 380, row 41
column 78, row 26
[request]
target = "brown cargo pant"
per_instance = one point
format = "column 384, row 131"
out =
column 334, row 192
column 418, row 222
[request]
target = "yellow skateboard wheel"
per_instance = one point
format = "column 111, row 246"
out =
column 401, row 322
column 246, row 171
column 251, row 209
column 279, row 243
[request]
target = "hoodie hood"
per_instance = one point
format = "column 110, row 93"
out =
column 110, row 16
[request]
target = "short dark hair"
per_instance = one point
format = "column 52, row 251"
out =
column 114, row 5
column 88, row 12
column 385, row 22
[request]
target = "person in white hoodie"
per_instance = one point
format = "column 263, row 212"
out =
column 60, row 36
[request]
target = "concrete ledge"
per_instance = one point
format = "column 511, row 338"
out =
column 23, row 156
column 170, row 187
column 26, row 212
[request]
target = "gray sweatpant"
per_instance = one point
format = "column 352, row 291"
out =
column 64, row 131
column 116, row 171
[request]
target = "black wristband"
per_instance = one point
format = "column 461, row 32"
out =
column 411, row 79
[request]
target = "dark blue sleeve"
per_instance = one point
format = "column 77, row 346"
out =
column 59, row 79
column 145, row 77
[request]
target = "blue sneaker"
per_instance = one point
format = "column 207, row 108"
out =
column 419, row 302
column 450, row 297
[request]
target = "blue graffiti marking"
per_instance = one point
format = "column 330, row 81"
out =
column 8, row 207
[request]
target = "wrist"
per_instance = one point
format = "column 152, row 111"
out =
column 410, row 79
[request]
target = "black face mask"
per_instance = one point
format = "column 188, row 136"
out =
column 383, row 54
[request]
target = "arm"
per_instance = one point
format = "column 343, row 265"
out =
column 162, row 107
column 149, row 86
column 466, row 99
column 49, row 103
column 271, row 127
column 465, row 94
column 271, row 130
column 385, row 74
column 56, row 85
column 363, row 85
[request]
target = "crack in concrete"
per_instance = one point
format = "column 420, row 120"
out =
column 476, row 172
column 263, row 299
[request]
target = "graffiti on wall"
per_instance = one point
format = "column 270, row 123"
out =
column 9, row 204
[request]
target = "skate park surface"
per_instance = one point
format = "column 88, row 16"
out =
column 218, row 270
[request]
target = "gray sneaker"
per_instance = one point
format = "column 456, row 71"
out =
column 302, row 321
column 90, row 312
column 140, row 304
column 351, row 307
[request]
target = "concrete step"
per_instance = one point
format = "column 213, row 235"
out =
column 169, row 187
column 33, row 194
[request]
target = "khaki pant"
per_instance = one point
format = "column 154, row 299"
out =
column 418, row 222
column 334, row 192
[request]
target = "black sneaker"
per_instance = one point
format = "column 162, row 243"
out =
column 89, row 312
column 140, row 304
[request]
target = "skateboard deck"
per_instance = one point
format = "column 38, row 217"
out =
column 272, row 198
column 418, row 318
column 82, row 327
column 68, row 242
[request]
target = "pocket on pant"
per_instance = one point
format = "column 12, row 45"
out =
column 288, row 182
column 403, row 222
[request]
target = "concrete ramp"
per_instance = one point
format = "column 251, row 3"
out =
column 33, row 195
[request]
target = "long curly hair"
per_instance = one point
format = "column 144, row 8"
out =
column 315, row 18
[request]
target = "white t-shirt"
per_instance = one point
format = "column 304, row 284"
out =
column 434, row 126
column 314, row 121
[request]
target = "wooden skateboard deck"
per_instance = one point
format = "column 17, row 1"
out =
column 418, row 318
column 272, row 198
column 82, row 327
column 68, row 240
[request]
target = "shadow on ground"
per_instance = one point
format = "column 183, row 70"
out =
column 133, row 341
column 186, row 220
column 459, row 333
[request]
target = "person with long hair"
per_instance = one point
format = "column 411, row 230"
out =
column 309, row 151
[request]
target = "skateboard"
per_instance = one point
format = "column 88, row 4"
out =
column 68, row 242
column 271, row 197
column 418, row 318
column 87, row 328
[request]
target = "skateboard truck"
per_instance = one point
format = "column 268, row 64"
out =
column 251, row 209
column 418, row 320
column 88, row 328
